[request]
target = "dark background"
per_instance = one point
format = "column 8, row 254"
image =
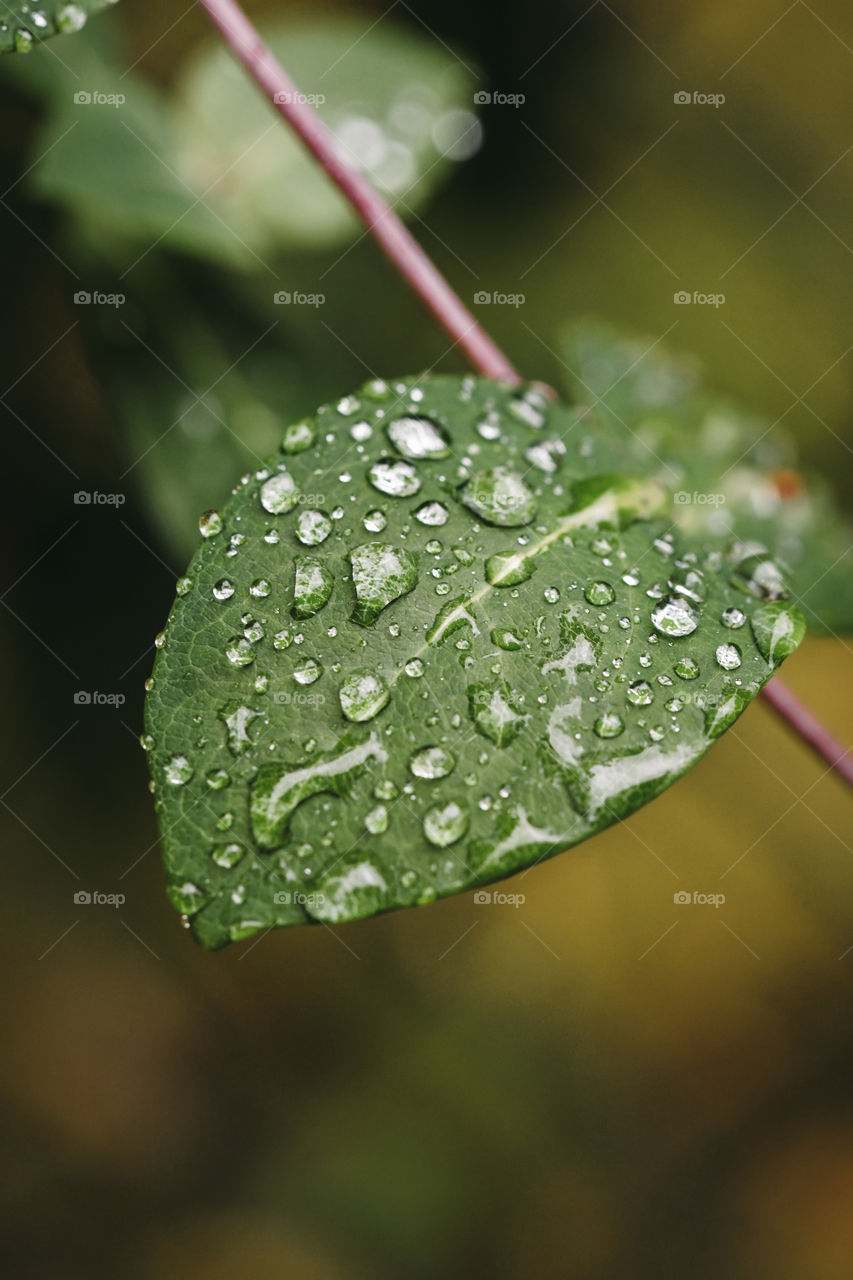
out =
column 598, row 1083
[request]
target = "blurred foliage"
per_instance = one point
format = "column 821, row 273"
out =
column 458, row 1090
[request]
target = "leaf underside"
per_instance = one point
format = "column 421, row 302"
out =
column 450, row 630
column 23, row 24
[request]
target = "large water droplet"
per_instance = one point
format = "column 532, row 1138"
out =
column 432, row 513
column 508, row 568
column 500, row 497
column 223, row 589
column 599, row 593
column 609, row 725
column 313, row 527
column 418, row 437
column 639, row 693
column 279, row 494
column 380, row 574
column 432, row 762
column 398, row 479
column 312, row 587
column 210, row 524
column 728, row 656
column 298, row 437
column 308, row 671
column 445, row 824
column 778, row 628
column 239, row 651
column 733, row 618
column 675, row 616
column 363, row 695
column 178, row 771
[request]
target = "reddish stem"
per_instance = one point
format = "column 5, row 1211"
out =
column 381, row 221
column 430, row 286
column 816, row 735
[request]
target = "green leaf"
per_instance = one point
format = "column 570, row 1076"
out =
column 449, row 636
column 400, row 104
column 731, row 469
column 25, row 24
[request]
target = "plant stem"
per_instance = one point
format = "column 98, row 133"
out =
column 379, row 218
column 806, row 724
column 408, row 257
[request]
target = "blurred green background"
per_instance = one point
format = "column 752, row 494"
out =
column 598, row 1083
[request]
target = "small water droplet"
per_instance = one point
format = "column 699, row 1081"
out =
column 728, row 656
column 308, row 671
column 210, row 524
column 223, row 589
column 239, row 651
column 599, row 593
column 376, row 821
column 432, row 513
column 432, row 762
column 508, row 568
column 418, row 437
column 675, row 616
column 733, row 618
column 178, row 771
column 279, row 494
column 397, row 479
column 609, row 725
column 445, row 824
column 260, row 588
column 687, row 669
column 312, row 586
column 500, row 497
column 639, row 693
column 216, row 779
column 375, row 521
column 298, row 437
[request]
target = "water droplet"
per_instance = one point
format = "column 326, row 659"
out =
column 761, row 577
column 398, row 479
column 298, row 437
column 414, row 668
column 500, row 497
column 179, row 771
column 675, row 616
column 432, row 513
column 239, row 651
column 380, row 574
column 210, row 524
column 599, row 593
column 528, row 407
column 282, row 639
column 689, row 583
column 216, row 779
column 609, row 725
column 23, row 41
column 348, row 406
column 309, row 671
column 778, row 628
column 687, row 669
column 227, row 855
column 311, row 588
column 279, row 494
column 551, row 594
column 223, row 589
column 728, row 656
column 183, row 586
column 445, row 824
column 506, row 639
column 639, row 693
column 496, row 712
column 508, row 568
column 71, row 18
column 313, row 527
column 432, row 762
column 363, row 695
column 361, row 431
column 418, row 437
column 376, row 821
column 260, row 588
column 733, row 618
